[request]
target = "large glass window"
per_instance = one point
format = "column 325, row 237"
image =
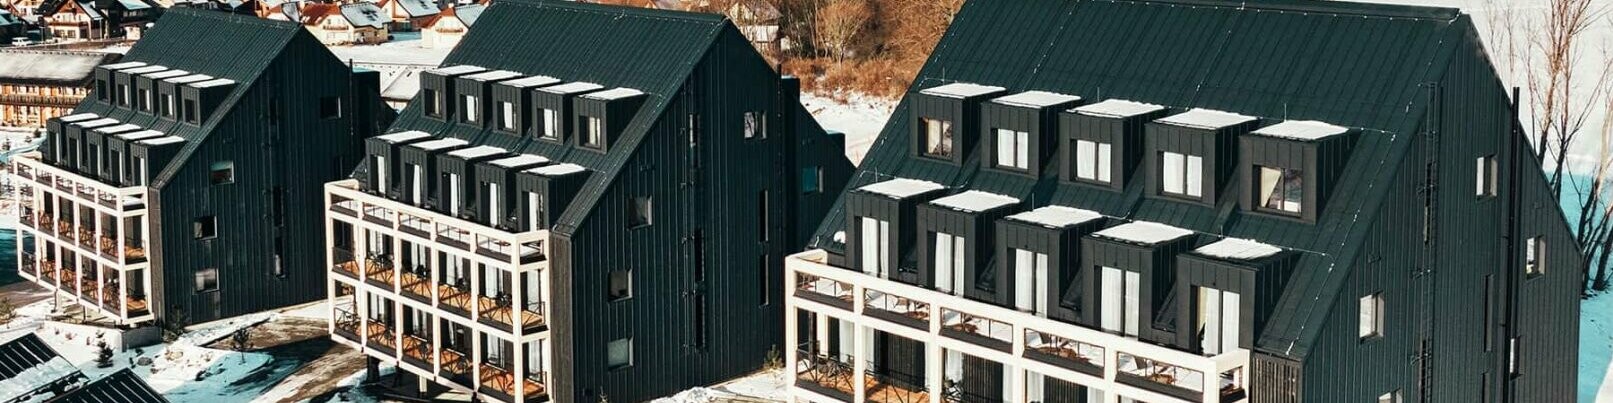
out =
column 937, row 138
column 1013, row 149
column 948, row 262
column 1218, row 320
column 1092, row 161
column 1281, row 189
column 1121, row 298
column 875, row 239
column 1183, row 174
column 1030, row 281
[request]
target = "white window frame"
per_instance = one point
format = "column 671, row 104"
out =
column 551, row 124
column 593, row 132
column 380, row 173
column 1274, row 182
column 1093, row 161
column 507, row 121
column 939, row 140
column 454, row 196
column 949, row 262
column 1181, row 174
column 493, row 215
column 1031, row 281
column 470, row 108
column 1013, row 149
column 1218, row 320
column 417, row 187
column 1370, row 319
column 876, row 247
column 1534, row 256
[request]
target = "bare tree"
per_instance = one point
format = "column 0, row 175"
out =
column 1594, row 230
column 840, row 23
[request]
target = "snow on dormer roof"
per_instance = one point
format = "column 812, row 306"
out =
column 477, row 152
column 1117, row 108
column 455, row 70
column 1303, row 130
column 614, row 94
column 571, row 88
column 902, row 188
column 1143, row 233
column 520, row 160
column 962, row 90
column 975, row 201
column 1238, row 249
column 1056, row 217
column 558, row 170
column 533, row 81
column 403, row 136
column 1036, row 99
column 1208, row 119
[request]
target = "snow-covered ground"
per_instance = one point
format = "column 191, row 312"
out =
column 859, row 117
column 404, row 48
column 769, row 385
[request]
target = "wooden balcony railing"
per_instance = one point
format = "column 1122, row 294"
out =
column 454, row 297
column 380, row 335
column 27, row 218
column 418, row 349
column 418, row 285
column 454, row 362
column 137, row 305
column 91, row 287
column 886, row 388
column 111, row 299
column 347, row 324
column 503, row 381
column 380, row 271
column 825, row 374
column 64, row 229
column 348, row 267
column 69, row 280
column 499, row 311
column 47, row 271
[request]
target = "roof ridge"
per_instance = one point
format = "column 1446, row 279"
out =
column 638, row 12
column 1342, row 7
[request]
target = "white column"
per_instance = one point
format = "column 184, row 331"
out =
column 859, row 361
column 518, row 371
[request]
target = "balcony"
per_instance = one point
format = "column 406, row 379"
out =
column 455, row 365
column 897, row 309
column 87, row 190
column 137, row 305
column 47, row 272
column 1160, row 377
column 1070, row 354
column 416, row 286
column 499, row 381
column 888, row 388
column 417, row 351
column 111, row 299
column 380, row 336
column 378, row 271
column 69, row 278
column 428, row 226
column 345, row 263
column 26, row 216
column 825, row 375
column 346, row 324
column 826, row 291
column 498, row 312
column 977, row 329
column 454, row 299
column 54, row 101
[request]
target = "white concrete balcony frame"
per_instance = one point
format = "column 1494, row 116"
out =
column 814, row 263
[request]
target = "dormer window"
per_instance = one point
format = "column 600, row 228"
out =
column 1101, row 143
column 100, row 90
column 433, row 103
column 1013, row 149
column 593, row 130
column 189, row 112
column 167, row 105
column 937, row 138
column 507, row 118
column 550, row 128
column 1182, row 174
column 1094, row 161
column 1281, row 189
column 470, row 106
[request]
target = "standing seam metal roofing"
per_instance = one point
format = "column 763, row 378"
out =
column 1355, row 65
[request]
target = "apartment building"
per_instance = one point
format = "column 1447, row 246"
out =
column 172, row 194
column 1193, row 201
column 602, row 218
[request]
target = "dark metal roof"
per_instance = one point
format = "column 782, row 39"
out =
column 119, row 387
column 221, row 45
column 22, row 353
column 650, row 50
column 1354, row 65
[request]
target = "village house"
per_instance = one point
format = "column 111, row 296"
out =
column 38, row 85
column 75, row 20
column 407, row 15
column 444, row 30
column 355, row 23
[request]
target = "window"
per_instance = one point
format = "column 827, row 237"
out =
column 123, row 94
column 1218, row 320
column 937, row 138
column 593, row 132
column 330, row 107
column 1371, row 320
column 1281, row 189
column 621, row 285
column 144, row 100
column 619, row 354
column 506, row 116
column 1183, row 174
column 551, row 124
column 767, row 280
column 1013, row 149
column 811, row 180
column 205, row 227
column 1122, row 291
column 1485, row 173
column 875, row 240
column 277, row 267
column 452, row 199
column 761, row 216
column 100, row 90
column 1512, row 356
column 1391, row 397
column 469, row 106
column 641, row 212
column 948, row 262
column 207, row 280
column 755, row 125
column 433, row 103
column 1030, row 285
column 1534, row 256
column 189, row 112
column 221, row 173
column 1092, row 161
column 167, row 105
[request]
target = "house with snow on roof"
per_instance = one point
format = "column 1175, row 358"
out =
column 77, row 20
column 581, row 225
column 1193, row 201
column 445, row 30
column 353, row 23
column 37, row 85
column 407, row 15
column 170, row 195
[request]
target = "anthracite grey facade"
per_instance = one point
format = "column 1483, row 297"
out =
column 585, row 203
column 173, row 192
column 1268, row 201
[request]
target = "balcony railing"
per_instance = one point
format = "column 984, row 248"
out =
column 502, row 381
column 455, row 299
column 500, row 312
column 69, row 280
column 824, row 290
column 1063, row 352
column 900, row 310
column 48, row 271
column 111, row 299
column 26, row 216
column 825, row 375
column 345, row 263
column 418, row 349
column 890, row 388
column 1160, row 377
column 88, row 189
column 378, row 269
column 347, row 324
column 380, row 335
column 440, row 228
column 137, row 305
column 416, row 286
column 454, row 363
column 978, row 329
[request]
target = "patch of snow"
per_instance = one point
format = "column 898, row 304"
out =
column 860, row 118
column 1143, row 232
column 495, row 75
column 439, row 144
column 48, row 66
column 975, row 201
column 962, row 90
column 767, row 385
column 403, row 49
column 400, row 137
column 571, row 88
column 1208, row 119
column 34, row 378
column 1304, row 130
column 1117, row 108
column 902, row 188
column 533, row 81
column 1238, row 249
column 614, row 94
column 1056, row 216
column 558, row 169
column 1036, row 99
column 477, row 152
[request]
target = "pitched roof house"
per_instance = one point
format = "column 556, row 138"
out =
column 76, row 20
column 171, row 194
column 408, row 14
column 345, row 23
column 447, row 28
column 595, row 224
column 1203, row 201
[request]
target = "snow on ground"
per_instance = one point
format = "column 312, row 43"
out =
column 1596, row 349
column 771, row 385
column 404, row 48
column 860, row 117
